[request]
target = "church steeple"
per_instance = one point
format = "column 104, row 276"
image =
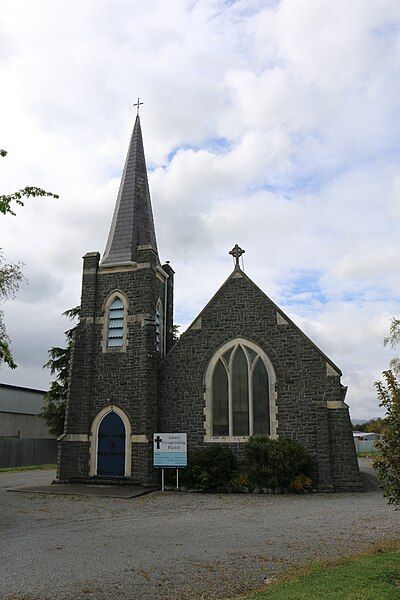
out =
column 132, row 223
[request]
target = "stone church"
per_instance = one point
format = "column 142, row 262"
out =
column 241, row 368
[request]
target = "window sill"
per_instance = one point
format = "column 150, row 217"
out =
column 225, row 439
column 114, row 350
column 235, row 439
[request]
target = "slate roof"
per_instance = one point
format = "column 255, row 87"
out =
column 132, row 224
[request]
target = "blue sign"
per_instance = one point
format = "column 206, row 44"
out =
column 170, row 450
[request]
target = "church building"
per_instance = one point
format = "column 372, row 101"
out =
column 241, row 368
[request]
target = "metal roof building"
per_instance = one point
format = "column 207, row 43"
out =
column 19, row 412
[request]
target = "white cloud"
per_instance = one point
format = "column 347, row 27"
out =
column 282, row 126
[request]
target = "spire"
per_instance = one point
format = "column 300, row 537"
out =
column 132, row 224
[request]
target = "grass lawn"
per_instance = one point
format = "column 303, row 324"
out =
column 27, row 468
column 374, row 576
column 370, row 454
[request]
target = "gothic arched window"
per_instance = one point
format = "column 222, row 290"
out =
column 239, row 391
column 116, row 314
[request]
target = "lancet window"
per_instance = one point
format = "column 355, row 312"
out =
column 159, row 328
column 116, row 316
column 240, row 397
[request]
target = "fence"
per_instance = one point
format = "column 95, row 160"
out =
column 19, row 452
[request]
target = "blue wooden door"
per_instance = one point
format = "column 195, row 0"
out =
column 111, row 447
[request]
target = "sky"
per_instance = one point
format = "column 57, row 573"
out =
column 271, row 124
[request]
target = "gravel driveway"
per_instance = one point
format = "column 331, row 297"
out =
column 164, row 546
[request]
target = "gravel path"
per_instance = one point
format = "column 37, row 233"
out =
column 172, row 546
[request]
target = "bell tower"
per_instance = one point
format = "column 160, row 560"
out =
column 125, row 328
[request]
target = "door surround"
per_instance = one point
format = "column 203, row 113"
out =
column 94, row 433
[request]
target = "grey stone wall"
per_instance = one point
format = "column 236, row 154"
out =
column 343, row 453
column 168, row 394
column 73, row 461
column 126, row 378
column 304, row 381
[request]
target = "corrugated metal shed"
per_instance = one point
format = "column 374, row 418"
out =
column 367, row 435
column 16, row 399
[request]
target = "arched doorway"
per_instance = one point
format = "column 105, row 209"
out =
column 111, row 446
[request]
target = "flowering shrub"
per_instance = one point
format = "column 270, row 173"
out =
column 240, row 482
column 300, row 483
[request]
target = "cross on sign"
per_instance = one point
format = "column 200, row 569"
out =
column 158, row 441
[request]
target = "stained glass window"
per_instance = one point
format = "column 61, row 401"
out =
column 227, row 354
column 260, row 398
column 240, row 393
column 220, row 417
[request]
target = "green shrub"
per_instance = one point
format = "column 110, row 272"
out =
column 387, row 463
column 240, row 483
column 211, row 469
column 275, row 463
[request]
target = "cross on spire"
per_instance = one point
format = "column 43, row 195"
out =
column 138, row 104
column 237, row 252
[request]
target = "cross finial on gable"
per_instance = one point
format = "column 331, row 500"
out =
column 237, row 252
column 138, row 104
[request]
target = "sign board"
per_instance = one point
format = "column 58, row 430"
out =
column 170, row 450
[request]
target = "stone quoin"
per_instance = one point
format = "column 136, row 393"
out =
column 242, row 367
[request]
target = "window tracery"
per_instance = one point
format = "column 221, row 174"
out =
column 239, row 392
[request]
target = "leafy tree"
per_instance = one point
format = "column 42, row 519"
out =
column 10, row 277
column 393, row 340
column 372, row 426
column 359, row 426
column 27, row 192
column 376, row 426
column 387, row 463
column 53, row 411
column 10, row 273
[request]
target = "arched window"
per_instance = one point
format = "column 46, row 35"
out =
column 159, row 328
column 116, row 316
column 239, row 391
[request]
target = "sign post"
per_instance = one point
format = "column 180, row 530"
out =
column 170, row 451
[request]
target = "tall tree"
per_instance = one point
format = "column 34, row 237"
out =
column 372, row 426
column 387, row 463
column 393, row 340
column 53, row 411
column 10, row 277
column 11, row 273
